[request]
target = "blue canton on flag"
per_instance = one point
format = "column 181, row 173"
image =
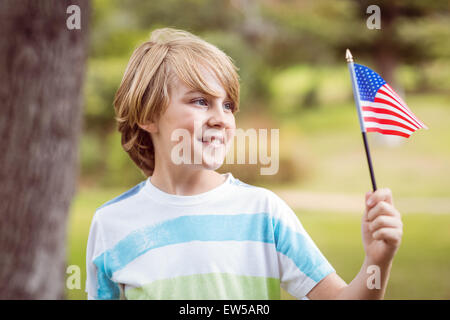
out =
column 368, row 82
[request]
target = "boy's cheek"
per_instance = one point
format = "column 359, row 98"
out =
column 190, row 125
column 229, row 133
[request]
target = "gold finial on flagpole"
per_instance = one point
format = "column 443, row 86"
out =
column 348, row 56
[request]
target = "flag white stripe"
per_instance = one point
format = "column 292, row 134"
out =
column 386, row 88
column 410, row 115
column 396, row 96
column 402, row 101
column 387, row 96
column 390, row 92
column 387, row 127
column 387, row 107
column 387, row 117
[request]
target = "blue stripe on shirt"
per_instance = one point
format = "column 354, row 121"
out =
column 232, row 227
column 125, row 195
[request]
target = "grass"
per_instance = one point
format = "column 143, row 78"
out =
column 332, row 144
column 421, row 269
column 416, row 167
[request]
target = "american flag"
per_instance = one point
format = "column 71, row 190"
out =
column 382, row 108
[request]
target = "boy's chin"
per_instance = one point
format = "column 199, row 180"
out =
column 210, row 163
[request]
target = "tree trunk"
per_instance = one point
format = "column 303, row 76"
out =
column 386, row 63
column 41, row 71
column 385, row 46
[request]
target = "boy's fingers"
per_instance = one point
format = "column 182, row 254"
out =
column 384, row 221
column 390, row 235
column 382, row 208
column 384, row 194
column 368, row 194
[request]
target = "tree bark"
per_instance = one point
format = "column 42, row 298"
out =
column 385, row 46
column 41, row 70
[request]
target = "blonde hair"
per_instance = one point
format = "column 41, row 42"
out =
column 143, row 94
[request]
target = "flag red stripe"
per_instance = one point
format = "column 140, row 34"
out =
column 387, row 90
column 388, row 121
column 422, row 125
column 391, row 132
column 384, row 111
column 396, row 96
column 390, row 93
column 380, row 100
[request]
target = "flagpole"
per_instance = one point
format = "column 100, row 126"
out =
column 351, row 68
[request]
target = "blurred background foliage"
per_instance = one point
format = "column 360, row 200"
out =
column 294, row 78
column 291, row 60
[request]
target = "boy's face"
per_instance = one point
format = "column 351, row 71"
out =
column 195, row 127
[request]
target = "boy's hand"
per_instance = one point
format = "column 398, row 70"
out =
column 382, row 227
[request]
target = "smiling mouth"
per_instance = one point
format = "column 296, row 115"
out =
column 213, row 141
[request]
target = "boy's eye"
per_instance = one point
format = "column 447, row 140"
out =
column 229, row 106
column 202, row 102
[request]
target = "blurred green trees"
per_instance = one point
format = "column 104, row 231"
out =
column 290, row 55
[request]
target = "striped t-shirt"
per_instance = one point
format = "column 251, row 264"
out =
column 235, row 241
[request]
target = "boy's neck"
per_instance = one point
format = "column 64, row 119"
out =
column 186, row 182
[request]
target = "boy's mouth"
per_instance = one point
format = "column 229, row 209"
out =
column 212, row 140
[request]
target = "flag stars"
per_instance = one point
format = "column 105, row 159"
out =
column 368, row 82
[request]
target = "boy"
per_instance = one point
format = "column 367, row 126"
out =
column 188, row 232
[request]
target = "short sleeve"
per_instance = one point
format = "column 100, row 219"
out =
column 99, row 284
column 301, row 263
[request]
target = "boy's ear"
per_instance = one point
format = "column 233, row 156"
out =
column 149, row 127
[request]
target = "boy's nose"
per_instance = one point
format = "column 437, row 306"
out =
column 215, row 121
column 218, row 118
